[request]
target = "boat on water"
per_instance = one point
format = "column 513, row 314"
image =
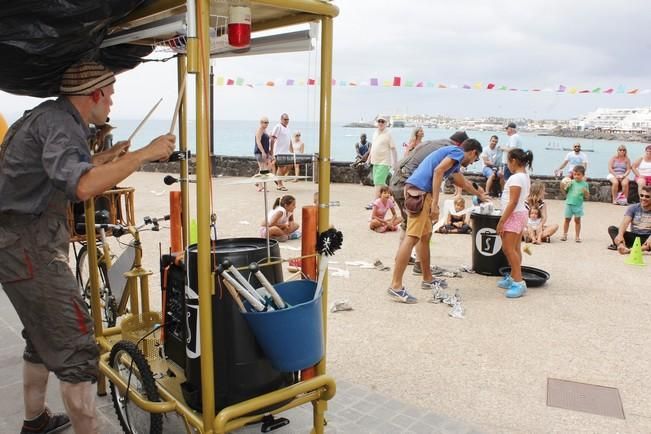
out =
column 361, row 124
column 553, row 147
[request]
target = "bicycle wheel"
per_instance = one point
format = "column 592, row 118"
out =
column 133, row 368
column 107, row 301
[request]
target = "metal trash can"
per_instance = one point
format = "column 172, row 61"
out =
column 487, row 254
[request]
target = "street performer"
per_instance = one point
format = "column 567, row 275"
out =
column 45, row 161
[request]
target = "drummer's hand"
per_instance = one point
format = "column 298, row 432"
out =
column 483, row 196
column 121, row 148
column 160, row 148
column 434, row 212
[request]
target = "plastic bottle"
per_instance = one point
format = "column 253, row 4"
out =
column 239, row 25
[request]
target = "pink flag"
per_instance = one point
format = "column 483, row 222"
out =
column 230, row 82
column 490, row 86
column 311, row 82
column 396, row 81
column 609, row 90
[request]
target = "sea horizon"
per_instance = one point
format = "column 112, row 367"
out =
column 237, row 138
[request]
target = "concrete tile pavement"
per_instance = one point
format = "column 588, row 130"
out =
column 355, row 408
column 412, row 367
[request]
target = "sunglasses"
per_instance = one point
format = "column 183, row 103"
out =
column 381, row 121
column 645, row 196
column 623, row 150
column 285, row 119
column 264, row 122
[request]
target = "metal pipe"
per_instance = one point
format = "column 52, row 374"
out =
column 212, row 112
column 201, row 54
column 324, row 157
column 181, row 67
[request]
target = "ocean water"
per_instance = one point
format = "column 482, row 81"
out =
column 236, row 138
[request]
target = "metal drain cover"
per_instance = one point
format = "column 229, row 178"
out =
column 588, row 398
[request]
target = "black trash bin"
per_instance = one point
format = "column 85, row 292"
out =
column 241, row 369
column 487, row 254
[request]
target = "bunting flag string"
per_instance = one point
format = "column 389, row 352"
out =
column 401, row 82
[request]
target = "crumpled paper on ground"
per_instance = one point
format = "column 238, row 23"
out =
column 454, row 301
column 340, row 305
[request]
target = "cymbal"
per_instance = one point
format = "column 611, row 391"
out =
column 257, row 179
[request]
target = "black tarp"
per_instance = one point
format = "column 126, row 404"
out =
column 40, row 39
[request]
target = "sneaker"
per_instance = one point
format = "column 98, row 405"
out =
column 516, row 290
column 435, row 269
column 412, row 261
column 369, row 206
column 435, row 283
column 295, row 235
column 47, row 422
column 402, row 296
column 505, row 282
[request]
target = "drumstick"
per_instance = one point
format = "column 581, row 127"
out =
column 235, row 272
column 236, row 297
column 178, row 105
column 280, row 303
column 144, row 120
column 243, row 292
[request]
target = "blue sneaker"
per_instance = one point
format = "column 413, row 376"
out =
column 505, row 282
column 295, row 235
column 516, row 290
column 402, row 296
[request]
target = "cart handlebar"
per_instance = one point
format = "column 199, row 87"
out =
column 119, row 230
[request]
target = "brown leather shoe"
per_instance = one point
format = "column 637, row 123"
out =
column 47, row 422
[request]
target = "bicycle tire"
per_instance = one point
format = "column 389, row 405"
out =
column 141, row 378
column 107, row 301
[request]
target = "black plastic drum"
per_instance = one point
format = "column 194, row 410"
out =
column 241, row 369
column 487, row 254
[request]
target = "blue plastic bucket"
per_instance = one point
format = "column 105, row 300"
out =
column 291, row 338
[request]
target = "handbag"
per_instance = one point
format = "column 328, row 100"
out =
column 414, row 199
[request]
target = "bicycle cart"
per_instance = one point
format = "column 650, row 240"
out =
column 144, row 383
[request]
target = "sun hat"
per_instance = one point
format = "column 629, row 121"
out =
column 84, row 78
column 381, row 117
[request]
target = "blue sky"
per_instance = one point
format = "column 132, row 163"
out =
column 520, row 44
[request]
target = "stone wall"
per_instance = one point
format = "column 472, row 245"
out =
column 341, row 172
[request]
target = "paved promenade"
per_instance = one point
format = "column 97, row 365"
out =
column 413, row 368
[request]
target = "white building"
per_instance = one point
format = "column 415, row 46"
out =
column 616, row 119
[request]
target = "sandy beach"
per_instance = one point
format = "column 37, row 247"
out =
column 590, row 323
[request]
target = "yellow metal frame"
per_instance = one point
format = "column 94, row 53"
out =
column 266, row 14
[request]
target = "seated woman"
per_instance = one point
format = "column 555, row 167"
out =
column 536, row 199
column 280, row 220
column 458, row 221
column 642, row 169
column 619, row 167
column 381, row 206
